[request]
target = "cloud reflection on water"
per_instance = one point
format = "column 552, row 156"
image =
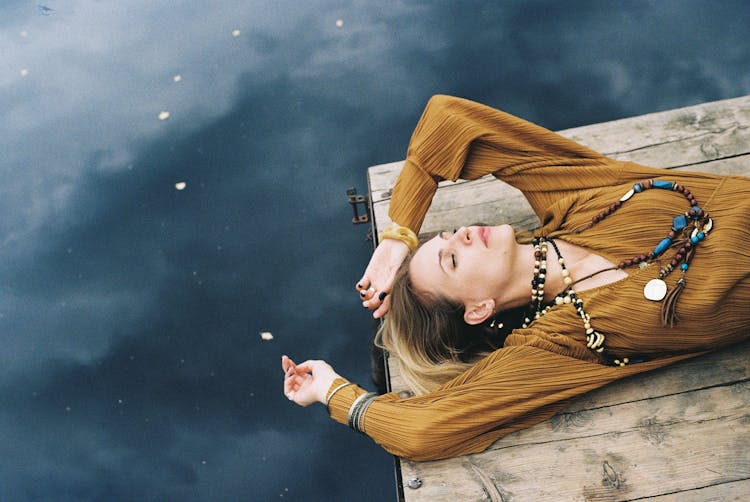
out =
column 130, row 310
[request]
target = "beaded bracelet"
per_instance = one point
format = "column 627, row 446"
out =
column 335, row 390
column 403, row 234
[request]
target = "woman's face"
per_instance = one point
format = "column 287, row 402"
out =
column 467, row 266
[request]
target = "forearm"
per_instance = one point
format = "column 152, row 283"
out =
column 421, row 429
column 457, row 138
column 392, row 426
column 512, row 389
column 411, row 196
column 463, row 417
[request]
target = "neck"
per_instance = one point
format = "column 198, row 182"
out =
column 516, row 291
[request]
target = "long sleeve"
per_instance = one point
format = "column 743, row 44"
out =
column 511, row 389
column 542, row 368
column 456, row 138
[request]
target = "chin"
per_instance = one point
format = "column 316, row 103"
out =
column 504, row 232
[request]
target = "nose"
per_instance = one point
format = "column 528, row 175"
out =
column 463, row 236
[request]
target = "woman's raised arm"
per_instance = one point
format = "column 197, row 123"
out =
column 457, row 138
column 377, row 280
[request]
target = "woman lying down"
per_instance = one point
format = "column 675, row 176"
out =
column 633, row 268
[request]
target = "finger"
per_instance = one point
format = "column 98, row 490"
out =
column 373, row 302
column 383, row 308
column 288, row 385
column 363, row 283
column 287, row 364
column 291, row 372
column 369, row 293
column 294, row 383
column 306, row 367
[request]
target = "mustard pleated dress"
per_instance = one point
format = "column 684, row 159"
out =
column 542, row 367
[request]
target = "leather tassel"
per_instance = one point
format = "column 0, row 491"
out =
column 668, row 308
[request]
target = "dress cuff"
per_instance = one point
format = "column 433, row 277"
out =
column 341, row 401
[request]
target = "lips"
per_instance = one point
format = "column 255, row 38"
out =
column 484, row 235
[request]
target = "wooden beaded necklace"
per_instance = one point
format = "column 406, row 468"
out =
column 687, row 231
column 594, row 339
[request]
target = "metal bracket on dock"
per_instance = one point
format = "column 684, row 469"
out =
column 355, row 200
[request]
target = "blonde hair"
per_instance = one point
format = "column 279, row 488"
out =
column 428, row 336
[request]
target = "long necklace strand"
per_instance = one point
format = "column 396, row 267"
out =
column 594, row 339
column 687, row 231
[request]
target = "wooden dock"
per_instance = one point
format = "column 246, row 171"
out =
column 677, row 434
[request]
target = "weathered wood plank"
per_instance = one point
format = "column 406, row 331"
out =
column 598, row 420
column 729, row 365
column 698, row 405
column 621, row 452
column 693, row 130
column 736, row 491
column 491, row 202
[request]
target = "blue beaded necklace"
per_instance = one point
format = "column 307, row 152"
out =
column 687, row 232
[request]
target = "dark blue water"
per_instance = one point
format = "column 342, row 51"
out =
column 131, row 305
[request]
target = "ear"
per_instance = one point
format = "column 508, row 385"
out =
column 477, row 313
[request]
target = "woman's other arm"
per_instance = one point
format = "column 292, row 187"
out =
column 512, row 389
column 307, row 383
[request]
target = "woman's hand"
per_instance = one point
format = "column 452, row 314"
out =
column 308, row 382
column 375, row 285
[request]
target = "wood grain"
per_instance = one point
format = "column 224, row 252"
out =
column 680, row 433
